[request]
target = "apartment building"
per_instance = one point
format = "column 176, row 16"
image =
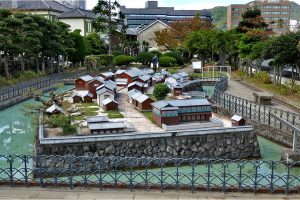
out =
column 276, row 14
column 136, row 17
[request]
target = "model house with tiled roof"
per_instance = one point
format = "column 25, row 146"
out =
column 174, row 112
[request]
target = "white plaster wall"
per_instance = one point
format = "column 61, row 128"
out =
column 75, row 24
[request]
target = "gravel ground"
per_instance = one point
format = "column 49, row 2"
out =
column 137, row 119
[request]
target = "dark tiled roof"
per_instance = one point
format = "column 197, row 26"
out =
column 78, row 13
column 34, row 5
column 181, row 103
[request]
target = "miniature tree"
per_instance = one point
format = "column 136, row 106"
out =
column 161, row 91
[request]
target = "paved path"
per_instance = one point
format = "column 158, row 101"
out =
column 237, row 89
column 65, row 193
column 137, row 119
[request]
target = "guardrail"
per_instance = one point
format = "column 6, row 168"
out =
column 138, row 173
column 26, row 87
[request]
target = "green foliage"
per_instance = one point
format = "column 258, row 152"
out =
column 166, row 61
column 161, row 91
column 176, row 55
column 122, row 60
column 80, row 48
column 157, row 53
column 60, row 120
column 145, row 58
column 264, row 77
column 94, row 45
column 69, row 129
column 114, row 114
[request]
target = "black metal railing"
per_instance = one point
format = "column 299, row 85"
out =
column 150, row 173
column 10, row 92
column 261, row 114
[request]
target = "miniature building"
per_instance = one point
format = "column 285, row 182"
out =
column 138, row 86
column 176, row 111
column 81, row 82
column 134, row 98
column 158, row 78
column 177, row 90
column 109, row 104
column 106, row 127
column 104, row 93
column 130, row 75
column 145, row 79
column 263, row 98
column 83, row 96
column 102, row 125
column 144, row 102
column 131, row 93
column 54, row 109
column 107, row 76
column 237, row 120
column 184, row 77
column 94, row 84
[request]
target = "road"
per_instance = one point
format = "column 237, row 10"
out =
column 65, row 193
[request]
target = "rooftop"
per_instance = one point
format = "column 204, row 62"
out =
column 97, row 119
column 87, row 78
column 78, row 13
column 181, row 103
column 106, row 125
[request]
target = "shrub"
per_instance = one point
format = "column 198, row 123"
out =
column 59, row 121
column 122, row 60
column 105, row 59
column 157, row 53
column 69, row 129
column 176, row 55
column 264, row 77
column 166, row 61
column 161, row 91
column 145, row 58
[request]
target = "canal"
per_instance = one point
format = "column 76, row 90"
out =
column 17, row 135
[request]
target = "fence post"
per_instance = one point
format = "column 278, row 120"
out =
column 250, row 110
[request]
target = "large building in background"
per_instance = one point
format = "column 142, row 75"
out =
column 136, row 17
column 75, row 3
column 276, row 14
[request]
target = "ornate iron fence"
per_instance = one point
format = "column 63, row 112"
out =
column 8, row 93
column 150, row 173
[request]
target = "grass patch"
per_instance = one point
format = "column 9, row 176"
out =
column 148, row 115
column 114, row 114
column 87, row 110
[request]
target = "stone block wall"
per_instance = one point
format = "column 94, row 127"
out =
column 235, row 145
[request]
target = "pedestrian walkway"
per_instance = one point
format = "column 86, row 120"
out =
column 65, row 193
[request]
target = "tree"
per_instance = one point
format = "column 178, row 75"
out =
column 94, row 45
column 108, row 12
column 80, row 48
column 6, row 35
column 285, row 51
column 161, row 91
column 175, row 36
column 199, row 42
column 251, row 19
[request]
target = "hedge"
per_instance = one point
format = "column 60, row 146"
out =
column 166, row 61
column 176, row 55
column 157, row 53
column 145, row 58
column 122, row 60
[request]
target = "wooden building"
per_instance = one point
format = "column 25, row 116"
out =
column 130, row 75
column 131, row 93
column 177, row 90
column 143, row 103
column 82, row 82
column 109, row 104
column 145, row 79
column 137, row 86
column 94, row 84
column 108, row 76
column 104, row 93
column 175, row 111
column 237, row 120
column 83, row 96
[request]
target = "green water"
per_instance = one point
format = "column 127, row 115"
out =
column 17, row 138
column 16, row 129
column 209, row 90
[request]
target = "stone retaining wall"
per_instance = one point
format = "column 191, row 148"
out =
column 232, row 145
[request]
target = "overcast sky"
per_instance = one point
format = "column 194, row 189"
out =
column 178, row 4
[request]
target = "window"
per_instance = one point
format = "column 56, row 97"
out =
column 89, row 27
